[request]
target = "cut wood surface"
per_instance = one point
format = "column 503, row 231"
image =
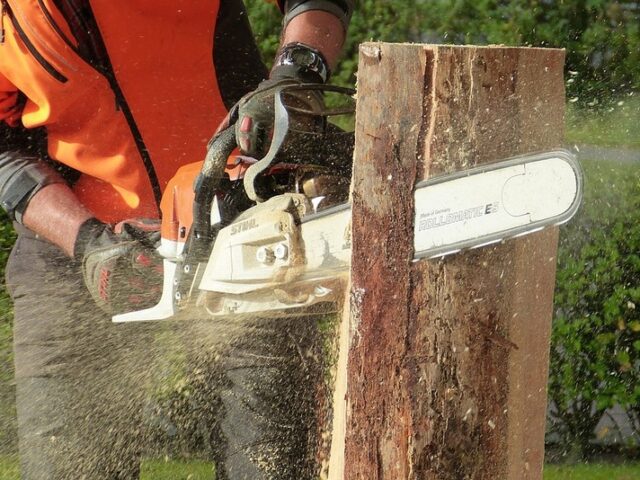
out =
column 447, row 362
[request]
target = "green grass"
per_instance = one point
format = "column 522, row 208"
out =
column 615, row 126
column 197, row 470
column 9, row 468
column 151, row 469
column 177, row 470
column 628, row 471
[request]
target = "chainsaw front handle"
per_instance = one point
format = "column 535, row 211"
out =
column 281, row 124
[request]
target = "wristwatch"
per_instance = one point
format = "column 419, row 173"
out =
column 303, row 58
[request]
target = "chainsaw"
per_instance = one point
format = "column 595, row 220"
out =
column 252, row 236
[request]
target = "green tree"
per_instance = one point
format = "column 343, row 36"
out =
column 602, row 37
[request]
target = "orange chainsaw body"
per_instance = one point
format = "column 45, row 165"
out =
column 177, row 200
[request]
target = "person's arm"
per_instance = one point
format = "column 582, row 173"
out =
column 318, row 24
column 35, row 195
column 320, row 30
column 56, row 214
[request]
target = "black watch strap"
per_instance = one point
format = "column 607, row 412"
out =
column 298, row 59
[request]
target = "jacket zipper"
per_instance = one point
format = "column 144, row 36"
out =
column 6, row 10
column 49, row 17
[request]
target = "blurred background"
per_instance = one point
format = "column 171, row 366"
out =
column 594, row 389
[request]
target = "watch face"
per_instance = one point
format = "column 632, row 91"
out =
column 303, row 57
column 306, row 59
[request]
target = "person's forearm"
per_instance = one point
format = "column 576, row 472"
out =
column 56, row 214
column 318, row 29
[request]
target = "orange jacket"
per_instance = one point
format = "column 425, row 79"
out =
column 133, row 102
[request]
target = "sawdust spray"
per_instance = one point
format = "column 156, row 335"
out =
column 243, row 390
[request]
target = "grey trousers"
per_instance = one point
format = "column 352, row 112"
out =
column 81, row 382
column 80, row 379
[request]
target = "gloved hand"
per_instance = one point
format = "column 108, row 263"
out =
column 297, row 64
column 120, row 266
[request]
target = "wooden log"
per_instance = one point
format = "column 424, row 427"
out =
column 448, row 360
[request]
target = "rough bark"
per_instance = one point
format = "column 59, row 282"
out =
column 448, row 360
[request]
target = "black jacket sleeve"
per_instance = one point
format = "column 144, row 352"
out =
column 342, row 9
column 23, row 168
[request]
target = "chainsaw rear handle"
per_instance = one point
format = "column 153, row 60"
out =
column 202, row 233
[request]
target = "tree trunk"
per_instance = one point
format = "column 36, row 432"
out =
column 447, row 360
